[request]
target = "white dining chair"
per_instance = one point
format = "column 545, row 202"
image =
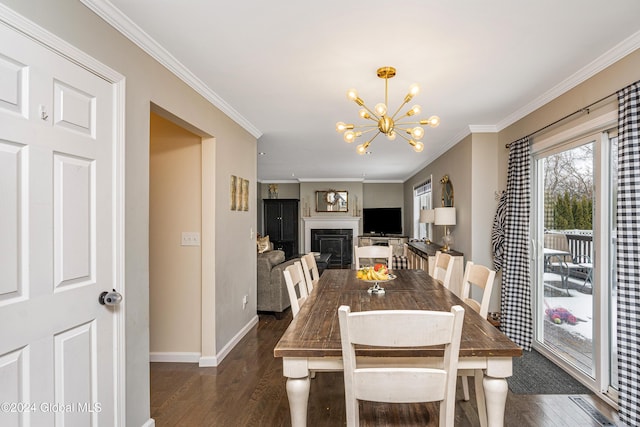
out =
column 310, row 270
column 394, row 383
column 443, row 268
column 294, row 277
column 372, row 253
column 480, row 277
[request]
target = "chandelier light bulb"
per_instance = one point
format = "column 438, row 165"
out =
column 414, row 89
column 418, row 147
column 434, row 121
column 417, row 132
column 391, row 135
column 349, row 136
column 361, row 149
column 416, row 109
column 341, row 127
column 363, row 113
column 352, row 94
column 381, row 109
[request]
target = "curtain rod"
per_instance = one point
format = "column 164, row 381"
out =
column 582, row 110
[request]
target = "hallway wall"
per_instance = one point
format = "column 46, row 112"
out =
column 174, row 270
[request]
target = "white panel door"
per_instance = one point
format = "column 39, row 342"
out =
column 57, row 355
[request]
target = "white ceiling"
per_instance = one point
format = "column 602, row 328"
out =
column 282, row 68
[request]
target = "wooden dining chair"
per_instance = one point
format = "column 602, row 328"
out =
column 294, row 277
column 395, row 383
column 310, row 270
column 373, row 253
column 480, row 277
column 443, row 268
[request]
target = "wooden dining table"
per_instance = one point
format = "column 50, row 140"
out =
column 311, row 343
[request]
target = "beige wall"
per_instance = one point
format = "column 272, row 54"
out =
column 383, row 195
column 235, row 153
column 484, row 186
column 174, row 207
column 456, row 163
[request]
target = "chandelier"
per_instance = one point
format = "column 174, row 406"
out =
column 390, row 125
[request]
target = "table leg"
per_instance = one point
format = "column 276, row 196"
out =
column 298, row 393
column 495, row 394
column 480, row 400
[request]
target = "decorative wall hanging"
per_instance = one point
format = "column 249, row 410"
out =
column 238, row 194
column 447, row 192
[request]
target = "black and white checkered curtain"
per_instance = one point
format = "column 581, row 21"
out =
column 628, row 254
column 516, row 319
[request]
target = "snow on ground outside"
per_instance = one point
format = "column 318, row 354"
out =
column 579, row 304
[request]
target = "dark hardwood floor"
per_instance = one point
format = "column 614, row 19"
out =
column 248, row 389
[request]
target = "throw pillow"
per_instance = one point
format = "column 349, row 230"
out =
column 263, row 244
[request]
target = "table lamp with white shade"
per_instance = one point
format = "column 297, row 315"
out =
column 446, row 217
column 427, row 216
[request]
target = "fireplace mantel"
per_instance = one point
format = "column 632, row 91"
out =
column 328, row 222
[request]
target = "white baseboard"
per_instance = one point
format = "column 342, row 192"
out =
column 150, row 423
column 212, row 361
column 179, row 357
column 204, row 361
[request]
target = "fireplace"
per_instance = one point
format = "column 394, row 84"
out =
column 336, row 241
column 341, row 246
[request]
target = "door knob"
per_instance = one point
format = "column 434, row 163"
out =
column 110, row 298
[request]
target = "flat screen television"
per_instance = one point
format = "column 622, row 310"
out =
column 382, row 220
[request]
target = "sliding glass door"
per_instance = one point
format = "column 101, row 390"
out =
column 574, row 257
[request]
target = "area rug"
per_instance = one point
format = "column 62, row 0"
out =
column 535, row 374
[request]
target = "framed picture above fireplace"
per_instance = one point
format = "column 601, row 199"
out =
column 332, row 201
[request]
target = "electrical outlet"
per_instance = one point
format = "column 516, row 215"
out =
column 190, row 238
column 245, row 300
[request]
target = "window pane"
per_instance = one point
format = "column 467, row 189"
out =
column 566, row 304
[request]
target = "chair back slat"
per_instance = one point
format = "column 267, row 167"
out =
column 443, row 268
column 373, row 253
column 310, row 270
column 481, row 277
column 294, row 278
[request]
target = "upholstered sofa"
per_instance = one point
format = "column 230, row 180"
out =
column 272, row 290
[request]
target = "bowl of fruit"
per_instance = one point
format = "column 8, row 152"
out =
column 376, row 275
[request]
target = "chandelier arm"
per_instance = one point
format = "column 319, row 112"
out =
column 396, row 128
column 366, row 126
column 372, row 112
column 409, row 123
column 369, row 130
column 404, row 137
column 374, row 137
column 398, row 110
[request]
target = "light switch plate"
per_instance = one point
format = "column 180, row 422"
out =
column 190, row 238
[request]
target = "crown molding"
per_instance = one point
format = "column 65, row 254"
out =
column 615, row 54
column 277, row 181
column 383, row 181
column 483, row 128
column 114, row 17
column 330, row 179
